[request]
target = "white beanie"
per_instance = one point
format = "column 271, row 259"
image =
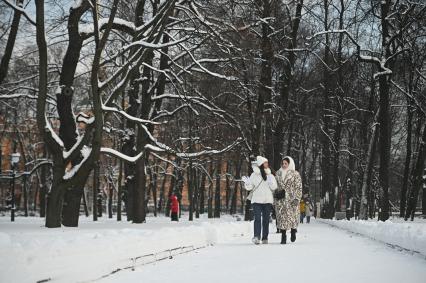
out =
column 260, row 160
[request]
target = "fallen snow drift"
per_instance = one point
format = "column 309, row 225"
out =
column 407, row 235
column 31, row 252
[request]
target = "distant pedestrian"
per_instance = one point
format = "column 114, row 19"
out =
column 174, row 207
column 261, row 184
column 287, row 208
column 308, row 211
column 302, row 210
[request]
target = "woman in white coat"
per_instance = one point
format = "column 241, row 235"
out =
column 261, row 184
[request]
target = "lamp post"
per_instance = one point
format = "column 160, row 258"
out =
column 14, row 158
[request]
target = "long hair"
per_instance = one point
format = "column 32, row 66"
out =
column 262, row 172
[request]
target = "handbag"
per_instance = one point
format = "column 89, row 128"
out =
column 279, row 194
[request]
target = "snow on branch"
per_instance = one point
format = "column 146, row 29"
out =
column 163, row 159
column 164, row 113
column 126, row 68
column 84, row 118
column 364, row 58
column 85, row 152
column 87, row 30
column 67, row 154
column 175, row 96
column 209, row 152
column 113, row 152
column 156, row 46
column 163, row 148
column 23, row 95
column 127, row 115
column 20, row 10
column 53, row 134
column 204, row 69
column 411, row 97
column 82, row 141
column 203, row 20
column 77, row 4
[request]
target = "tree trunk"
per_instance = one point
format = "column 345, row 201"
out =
column 172, row 187
column 217, row 198
column 287, row 79
column 197, row 193
column 42, row 186
column 326, row 154
column 25, row 196
column 246, row 205
column 385, row 147
column 336, row 162
column 119, row 190
column 71, row 209
column 154, row 192
column 384, row 119
column 423, row 200
column 179, row 188
column 366, row 181
column 210, row 193
column 68, row 128
column 403, row 195
column 228, row 186
column 340, row 110
column 139, row 213
column 54, row 201
column 234, row 196
column 311, row 170
column 110, row 197
column 86, row 209
column 417, row 178
column 4, row 64
column 163, row 189
column 264, row 92
column 202, row 193
column 95, row 192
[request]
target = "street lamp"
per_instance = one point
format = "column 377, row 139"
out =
column 14, row 159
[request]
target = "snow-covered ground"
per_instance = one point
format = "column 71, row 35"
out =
column 216, row 250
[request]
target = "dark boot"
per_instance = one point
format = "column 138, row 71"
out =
column 293, row 235
column 283, row 237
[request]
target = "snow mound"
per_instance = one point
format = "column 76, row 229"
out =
column 95, row 249
column 407, row 235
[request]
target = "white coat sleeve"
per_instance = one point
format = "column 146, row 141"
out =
column 272, row 182
column 251, row 184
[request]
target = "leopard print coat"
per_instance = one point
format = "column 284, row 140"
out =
column 287, row 209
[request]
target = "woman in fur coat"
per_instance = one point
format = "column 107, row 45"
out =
column 287, row 208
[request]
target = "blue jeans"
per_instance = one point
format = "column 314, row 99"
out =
column 262, row 211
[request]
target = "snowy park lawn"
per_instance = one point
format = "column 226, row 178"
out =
column 404, row 234
column 211, row 250
column 29, row 252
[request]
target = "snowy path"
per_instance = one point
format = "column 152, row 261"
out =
column 321, row 254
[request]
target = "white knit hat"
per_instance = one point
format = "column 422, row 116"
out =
column 260, row 160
